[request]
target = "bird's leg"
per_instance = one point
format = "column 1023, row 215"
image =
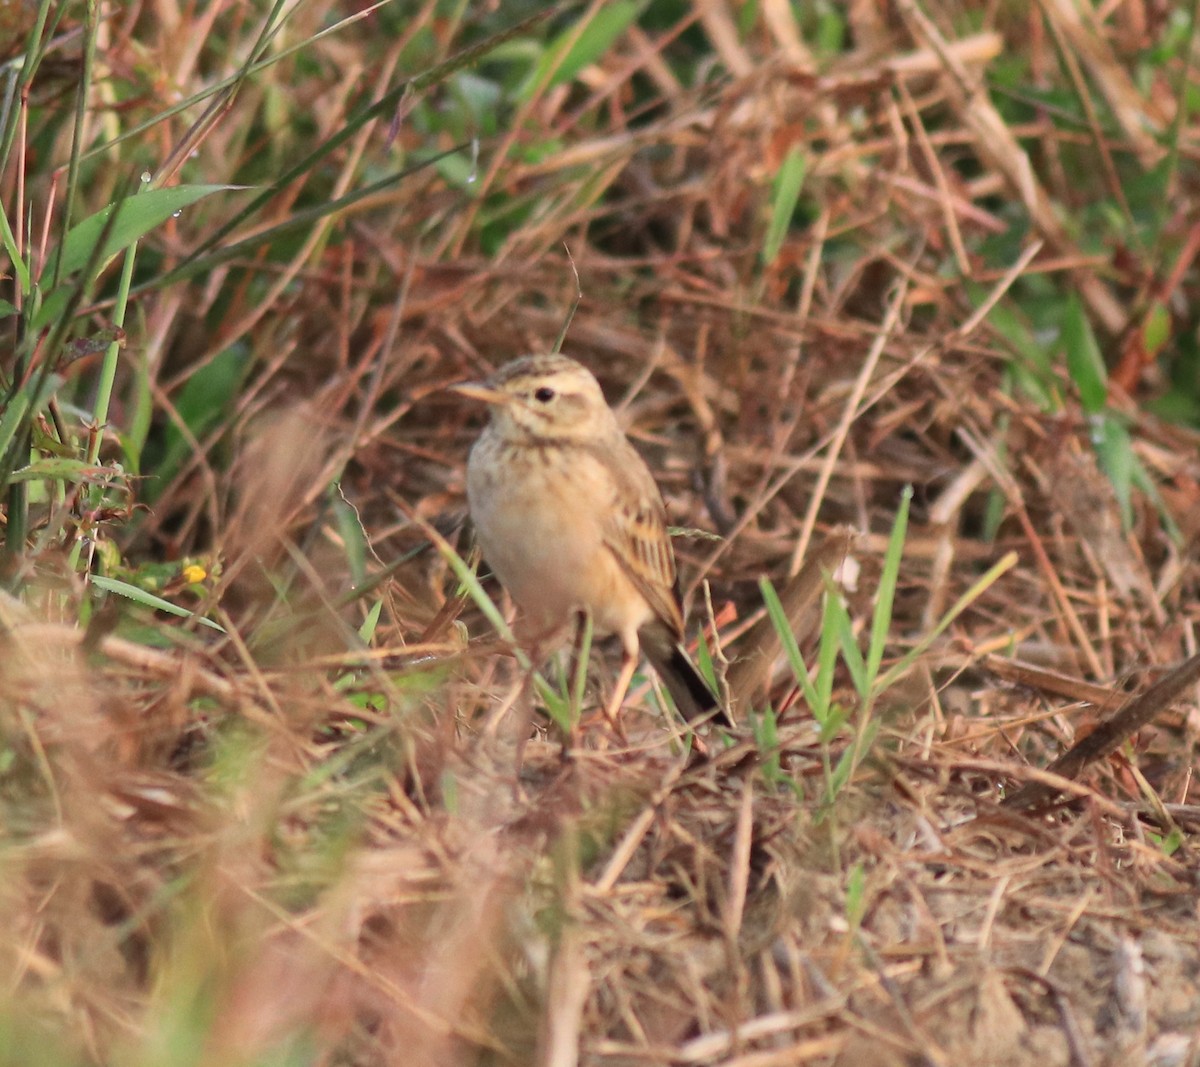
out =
column 612, row 710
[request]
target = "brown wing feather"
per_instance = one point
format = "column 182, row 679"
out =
column 636, row 533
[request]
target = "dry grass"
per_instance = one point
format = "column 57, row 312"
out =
column 288, row 844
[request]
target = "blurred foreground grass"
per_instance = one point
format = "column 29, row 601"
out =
column 256, row 792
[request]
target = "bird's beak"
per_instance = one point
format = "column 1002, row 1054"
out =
column 480, row 391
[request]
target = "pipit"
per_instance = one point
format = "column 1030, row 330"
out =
column 570, row 520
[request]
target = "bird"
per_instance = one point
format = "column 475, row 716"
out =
column 570, row 519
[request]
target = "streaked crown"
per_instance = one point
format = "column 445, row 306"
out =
column 547, row 398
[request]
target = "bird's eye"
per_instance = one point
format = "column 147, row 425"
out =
column 543, row 395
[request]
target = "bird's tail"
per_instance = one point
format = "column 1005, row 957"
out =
column 691, row 693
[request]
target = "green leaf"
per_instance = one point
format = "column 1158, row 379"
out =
column 851, row 654
column 1156, row 329
column 139, row 414
column 841, row 771
column 1172, row 842
column 24, row 406
column 1114, row 449
column 1031, row 367
column 1084, row 362
column 202, row 403
column 785, row 194
column 787, row 639
column 832, row 725
column 350, row 533
column 704, row 661
column 997, row 506
column 881, row 621
column 609, row 22
column 766, row 738
column 579, row 682
column 140, row 596
column 558, row 707
column 366, row 632
column 20, row 269
column 136, row 217
column 827, row 652
column 61, row 469
column 831, row 31
column 856, row 887
column 747, row 16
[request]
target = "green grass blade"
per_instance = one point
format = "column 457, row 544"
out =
column 576, row 49
column 108, row 368
column 19, row 269
column 851, row 654
column 58, row 468
column 827, row 654
column 24, row 403
column 149, row 600
column 1114, row 450
column 575, row 709
column 366, row 632
column 138, row 215
column 1084, row 362
column 784, row 197
column 704, row 661
column 469, row 580
column 977, row 589
column 881, row 620
column 83, row 88
column 787, row 639
column 199, row 264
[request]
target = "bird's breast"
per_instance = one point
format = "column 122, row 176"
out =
column 539, row 514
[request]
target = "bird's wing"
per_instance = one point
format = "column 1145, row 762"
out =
column 635, row 531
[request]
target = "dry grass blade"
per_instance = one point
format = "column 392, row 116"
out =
column 1055, row 682
column 1110, row 735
